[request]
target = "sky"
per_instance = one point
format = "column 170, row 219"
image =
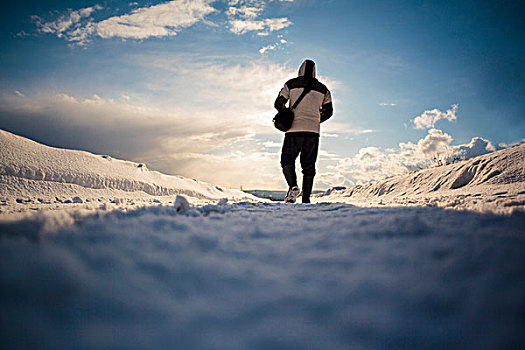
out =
column 187, row 87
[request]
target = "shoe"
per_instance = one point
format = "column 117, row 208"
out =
column 292, row 195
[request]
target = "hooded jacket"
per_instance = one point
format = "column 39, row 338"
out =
column 315, row 107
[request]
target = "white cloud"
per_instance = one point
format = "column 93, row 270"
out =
column 435, row 143
column 362, row 131
column 244, row 11
column 65, row 21
column 374, row 163
column 266, row 48
column 155, row 21
column 429, row 118
column 165, row 19
column 476, row 147
column 279, row 44
column 74, row 25
column 327, row 155
column 370, row 163
column 241, row 26
column 238, row 90
column 277, row 23
column 271, row 144
column 122, row 128
column 81, row 35
column 244, row 17
column 383, row 104
column 334, row 126
column 162, row 20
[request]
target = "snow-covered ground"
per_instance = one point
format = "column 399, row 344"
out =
column 129, row 269
column 38, row 177
column 493, row 182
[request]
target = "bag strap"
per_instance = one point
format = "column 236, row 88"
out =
column 306, row 90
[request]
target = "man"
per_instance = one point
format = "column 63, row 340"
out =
column 303, row 137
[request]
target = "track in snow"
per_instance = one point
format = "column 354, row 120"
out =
column 264, row 275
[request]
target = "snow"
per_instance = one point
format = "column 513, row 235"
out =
column 253, row 276
column 29, row 171
column 493, row 182
column 203, row 268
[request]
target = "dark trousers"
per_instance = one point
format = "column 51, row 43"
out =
column 305, row 143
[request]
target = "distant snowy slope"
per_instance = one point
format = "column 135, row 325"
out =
column 35, row 164
column 493, row 182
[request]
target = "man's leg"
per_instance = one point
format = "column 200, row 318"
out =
column 291, row 148
column 289, row 154
column 308, row 158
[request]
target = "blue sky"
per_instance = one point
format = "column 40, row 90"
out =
column 188, row 86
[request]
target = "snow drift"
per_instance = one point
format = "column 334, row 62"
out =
column 491, row 182
column 29, row 170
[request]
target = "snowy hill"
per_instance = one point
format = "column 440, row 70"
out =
column 491, row 182
column 32, row 173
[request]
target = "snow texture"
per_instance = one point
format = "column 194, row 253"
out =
column 264, row 276
column 88, row 259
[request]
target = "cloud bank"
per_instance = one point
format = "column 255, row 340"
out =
column 161, row 20
column 166, row 19
column 435, row 148
column 213, row 143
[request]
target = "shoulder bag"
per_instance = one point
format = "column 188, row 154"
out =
column 283, row 120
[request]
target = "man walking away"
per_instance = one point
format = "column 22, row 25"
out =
column 303, row 137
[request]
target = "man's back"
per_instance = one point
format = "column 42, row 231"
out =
column 307, row 113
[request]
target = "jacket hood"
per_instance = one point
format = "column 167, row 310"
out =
column 307, row 69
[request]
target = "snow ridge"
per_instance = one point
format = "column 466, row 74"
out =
column 484, row 177
column 29, row 160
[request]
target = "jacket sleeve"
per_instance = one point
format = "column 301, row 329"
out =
column 327, row 110
column 284, row 96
